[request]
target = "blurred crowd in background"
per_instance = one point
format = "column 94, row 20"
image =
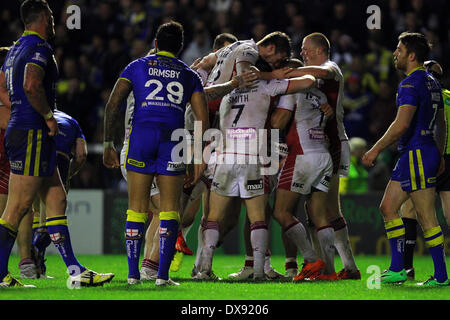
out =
column 115, row 32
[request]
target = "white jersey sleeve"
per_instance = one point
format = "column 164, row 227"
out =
column 277, row 87
column 309, row 135
column 228, row 57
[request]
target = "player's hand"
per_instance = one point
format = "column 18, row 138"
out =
column 52, row 126
column 326, row 109
column 199, row 169
column 247, row 78
column 110, row 158
column 281, row 73
column 369, row 157
column 256, row 71
column 195, row 64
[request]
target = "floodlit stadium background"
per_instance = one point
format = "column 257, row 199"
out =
column 113, row 33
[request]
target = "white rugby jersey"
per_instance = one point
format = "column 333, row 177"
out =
column 307, row 132
column 244, row 111
column 228, row 57
column 128, row 118
column 334, row 91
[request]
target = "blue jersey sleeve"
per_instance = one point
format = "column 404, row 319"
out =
column 127, row 73
column 408, row 95
column 197, row 82
column 40, row 55
column 79, row 133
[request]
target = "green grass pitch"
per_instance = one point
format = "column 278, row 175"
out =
column 56, row 289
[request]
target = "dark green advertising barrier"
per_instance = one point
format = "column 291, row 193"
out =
column 366, row 228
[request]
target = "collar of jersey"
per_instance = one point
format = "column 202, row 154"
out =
column 29, row 32
column 166, row 53
column 415, row 69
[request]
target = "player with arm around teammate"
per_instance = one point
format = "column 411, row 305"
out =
column 238, row 173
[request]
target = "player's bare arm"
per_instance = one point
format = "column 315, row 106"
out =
column 215, row 92
column 206, row 63
column 80, row 151
column 397, row 128
column 35, row 92
column 301, row 83
column 281, row 73
column 4, row 96
column 316, row 71
column 120, row 92
column 200, row 109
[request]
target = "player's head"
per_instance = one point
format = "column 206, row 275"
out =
column 38, row 12
column 434, row 68
column 275, row 48
column 294, row 63
column 223, row 40
column 412, row 48
column 170, row 37
column 315, row 49
column 3, row 52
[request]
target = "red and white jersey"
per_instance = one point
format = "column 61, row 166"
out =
column 334, row 91
column 244, row 111
column 227, row 59
column 307, row 132
column 128, row 118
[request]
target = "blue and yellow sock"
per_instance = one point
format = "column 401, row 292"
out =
column 434, row 240
column 40, row 237
column 168, row 233
column 59, row 234
column 134, row 234
column 395, row 231
column 7, row 238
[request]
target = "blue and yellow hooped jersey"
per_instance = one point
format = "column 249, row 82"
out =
column 421, row 90
column 69, row 132
column 162, row 85
column 29, row 49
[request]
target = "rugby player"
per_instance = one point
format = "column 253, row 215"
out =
column 316, row 55
column 33, row 238
column 28, row 76
column 238, row 172
column 420, row 108
column 162, row 85
column 408, row 213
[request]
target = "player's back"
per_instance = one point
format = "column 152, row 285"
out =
column 162, row 85
column 307, row 131
column 244, row 111
column 228, row 57
column 422, row 90
column 29, row 49
column 69, row 132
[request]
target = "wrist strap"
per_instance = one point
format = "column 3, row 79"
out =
column 49, row 115
column 108, row 144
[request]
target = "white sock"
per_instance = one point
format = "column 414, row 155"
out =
column 297, row 234
column 258, row 238
column 198, row 256
column 326, row 239
column 267, row 265
column 211, row 239
column 344, row 249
